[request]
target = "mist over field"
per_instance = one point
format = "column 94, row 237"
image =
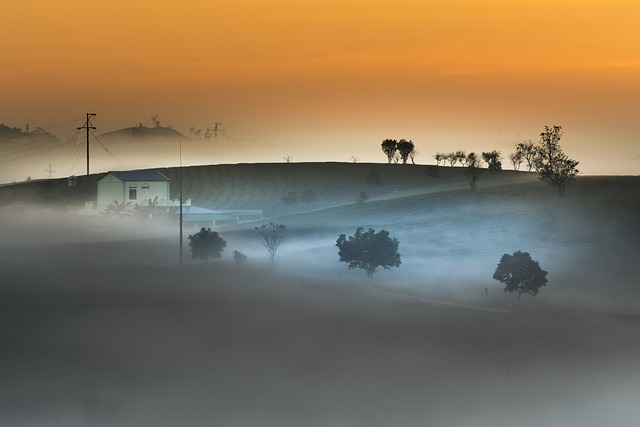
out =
column 99, row 325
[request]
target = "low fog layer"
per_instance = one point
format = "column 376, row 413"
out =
column 100, row 325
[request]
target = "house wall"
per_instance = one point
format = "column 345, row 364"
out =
column 108, row 191
column 156, row 189
column 114, row 189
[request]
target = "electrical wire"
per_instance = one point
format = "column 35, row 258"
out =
column 46, row 130
column 113, row 156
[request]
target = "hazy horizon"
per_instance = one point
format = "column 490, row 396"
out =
column 309, row 79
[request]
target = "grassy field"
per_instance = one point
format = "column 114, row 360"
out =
column 100, row 326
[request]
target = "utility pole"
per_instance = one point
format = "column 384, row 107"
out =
column 216, row 129
column 50, row 171
column 88, row 127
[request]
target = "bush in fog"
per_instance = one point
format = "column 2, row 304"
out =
column 206, row 244
column 369, row 250
column 271, row 235
column 239, row 257
column 520, row 273
column 362, row 197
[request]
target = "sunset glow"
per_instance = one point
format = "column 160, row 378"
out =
column 299, row 76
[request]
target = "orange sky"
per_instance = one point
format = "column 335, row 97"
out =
column 307, row 78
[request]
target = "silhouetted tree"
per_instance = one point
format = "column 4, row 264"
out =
column 389, row 147
column 440, row 157
column 552, row 165
column 454, row 157
column 520, row 273
column 206, row 244
column 493, row 160
column 404, row 149
column 271, row 235
column 396, row 158
column 516, row 160
column 472, row 170
column 195, row 132
column 369, row 250
column 527, row 151
column 412, row 155
column 239, row 257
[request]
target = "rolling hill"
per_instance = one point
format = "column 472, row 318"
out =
column 100, row 326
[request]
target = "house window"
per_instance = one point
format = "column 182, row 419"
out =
column 133, row 192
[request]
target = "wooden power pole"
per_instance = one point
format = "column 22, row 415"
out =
column 88, row 127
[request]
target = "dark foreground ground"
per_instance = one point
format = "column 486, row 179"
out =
column 218, row 346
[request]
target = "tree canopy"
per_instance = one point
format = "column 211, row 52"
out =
column 369, row 250
column 519, row 272
column 389, row 147
column 206, row 244
column 552, row 165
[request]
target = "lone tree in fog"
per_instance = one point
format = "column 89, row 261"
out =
column 520, row 273
column 369, row 250
column 552, row 165
column 206, row 244
column 271, row 235
column 389, row 147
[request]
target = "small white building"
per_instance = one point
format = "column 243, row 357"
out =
column 137, row 187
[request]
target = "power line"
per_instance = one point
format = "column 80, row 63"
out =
column 60, row 144
column 49, row 139
column 21, row 134
column 113, row 156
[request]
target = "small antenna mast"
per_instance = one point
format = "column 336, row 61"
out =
column 216, row 129
column 50, row 170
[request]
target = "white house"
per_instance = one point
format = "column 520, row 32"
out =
column 140, row 187
column 136, row 187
